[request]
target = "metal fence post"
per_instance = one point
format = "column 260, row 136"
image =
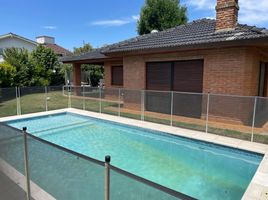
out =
column 142, row 104
column 107, row 177
column 100, row 100
column 171, row 109
column 84, row 101
column 208, row 103
column 46, row 97
column 63, row 89
column 253, row 119
column 19, row 104
column 26, row 164
column 17, row 100
column 69, row 97
column 119, row 102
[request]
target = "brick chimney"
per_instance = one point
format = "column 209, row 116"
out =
column 226, row 14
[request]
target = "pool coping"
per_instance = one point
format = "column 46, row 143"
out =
column 37, row 192
column 258, row 187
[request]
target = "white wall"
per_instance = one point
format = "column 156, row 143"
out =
column 15, row 42
column 45, row 40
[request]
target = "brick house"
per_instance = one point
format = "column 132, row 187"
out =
column 218, row 56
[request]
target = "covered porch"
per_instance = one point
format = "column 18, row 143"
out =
column 94, row 57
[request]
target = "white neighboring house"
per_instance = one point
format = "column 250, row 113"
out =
column 12, row 40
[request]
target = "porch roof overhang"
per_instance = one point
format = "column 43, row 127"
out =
column 94, row 57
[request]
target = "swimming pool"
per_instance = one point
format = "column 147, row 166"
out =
column 198, row 169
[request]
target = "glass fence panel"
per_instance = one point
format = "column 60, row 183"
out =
column 8, row 102
column 77, row 97
column 157, row 107
column 110, row 101
column 189, row 110
column 231, row 116
column 11, row 163
column 261, row 121
column 66, row 90
column 131, row 103
column 124, row 187
column 63, row 175
column 92, row 99
column 56, row 98
column 32, row 99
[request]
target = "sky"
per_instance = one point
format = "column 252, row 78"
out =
column 101, row 22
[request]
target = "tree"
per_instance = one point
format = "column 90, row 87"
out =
column 46, row 67
column 95, row 71
column 39, row 68
column 7, row 73
column 161, row 15
column 85, row 48
column 19, row 59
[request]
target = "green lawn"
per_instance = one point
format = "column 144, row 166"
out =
column 32, row 103
column 56, row 100
column 8, row 108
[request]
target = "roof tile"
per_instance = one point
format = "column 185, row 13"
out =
column 197, row 32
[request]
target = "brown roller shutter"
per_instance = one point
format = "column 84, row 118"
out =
column 188, row 76
column 117, row 75
column 266, row 81
column 158, row 76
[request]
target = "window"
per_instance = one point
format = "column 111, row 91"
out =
column 182, row 76
column 1, row 51
column 263, row 81
column 158, row 76
column 117, row 75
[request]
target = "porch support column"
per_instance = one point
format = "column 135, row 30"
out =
column 77, row 74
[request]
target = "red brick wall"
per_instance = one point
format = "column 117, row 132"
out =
column 232, row 71
column 226, row 71
column 134, row 72
column 252, row 70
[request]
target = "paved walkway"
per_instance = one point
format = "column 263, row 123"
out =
column 10, row 190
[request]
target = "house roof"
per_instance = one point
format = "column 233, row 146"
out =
column 191, row 34
column 94, row 54
column 194, row 33
column 58, row 49
column 10, row 35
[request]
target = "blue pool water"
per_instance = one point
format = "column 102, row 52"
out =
column 198, row 169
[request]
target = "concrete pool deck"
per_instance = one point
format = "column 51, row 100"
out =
column 18, row 178
column 258, row 187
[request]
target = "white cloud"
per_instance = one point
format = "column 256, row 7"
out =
column 49, row 27
column 202, row 4
column 116, row 22
column 135, row 17
column 251, row 11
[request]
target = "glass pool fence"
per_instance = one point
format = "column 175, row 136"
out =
column 45, row 170
column 242, row 117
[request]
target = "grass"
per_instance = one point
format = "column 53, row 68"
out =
column 8, row 108
column 55, row 100
column 32, row 103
